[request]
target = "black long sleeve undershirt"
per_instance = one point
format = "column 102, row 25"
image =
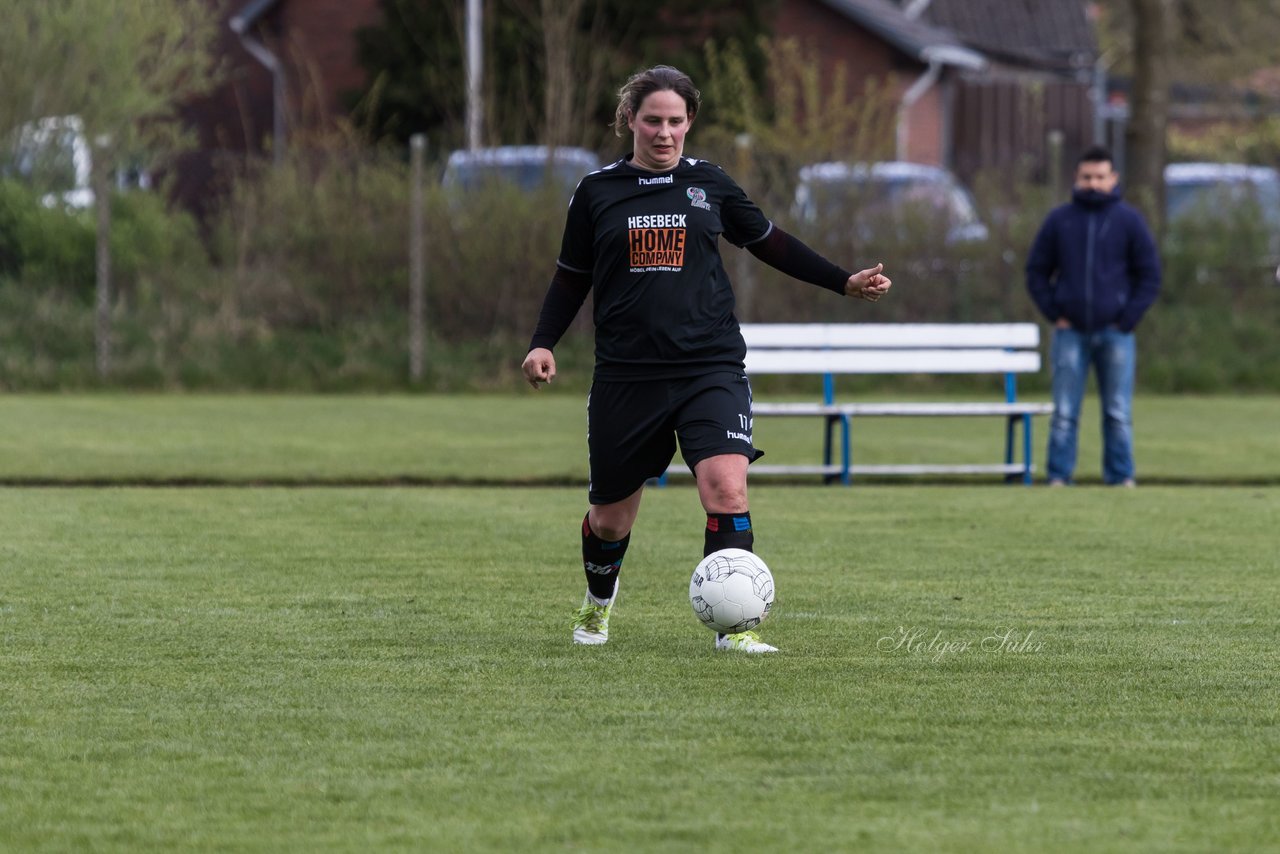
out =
column 788, row 254
column 780, row 250
column 566, row 294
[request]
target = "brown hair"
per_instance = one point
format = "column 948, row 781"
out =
column 1095, row 154
column 660, row 78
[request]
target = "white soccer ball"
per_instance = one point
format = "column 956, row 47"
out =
column 731, row 591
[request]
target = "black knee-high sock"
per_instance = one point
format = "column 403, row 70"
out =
column 728, row 531
column 602, row 561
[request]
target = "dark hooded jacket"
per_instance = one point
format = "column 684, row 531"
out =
column 1095, row 263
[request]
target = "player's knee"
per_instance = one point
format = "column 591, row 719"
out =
column 722, row 484
column 726, row 495
column 610, row 523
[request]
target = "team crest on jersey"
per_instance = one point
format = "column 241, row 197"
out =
column 698, row 198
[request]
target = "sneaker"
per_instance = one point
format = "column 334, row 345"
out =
column 1057, row 481
column 591, row 621
column 743, row 642
column 1128, row 483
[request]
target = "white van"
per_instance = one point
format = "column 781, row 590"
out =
column 1211, row 190
column 528, row 167
column 53, row 155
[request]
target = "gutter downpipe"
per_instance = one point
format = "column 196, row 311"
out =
column 916, row 8
column 273, row 65
column 914, row 93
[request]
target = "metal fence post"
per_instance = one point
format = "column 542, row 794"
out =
column 102, row 256
column 417, row 260
column 744, row 273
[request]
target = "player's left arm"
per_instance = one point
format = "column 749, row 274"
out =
column 746, row 226
column 790, row 255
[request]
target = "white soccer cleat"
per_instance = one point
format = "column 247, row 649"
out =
column 591, row 621
column 748, row 642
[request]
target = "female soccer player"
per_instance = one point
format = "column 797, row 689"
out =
column 643, row 233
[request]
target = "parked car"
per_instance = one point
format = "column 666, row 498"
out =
column 529, row 167
column 889, row 194
column 1208, row 193
column 53, row 155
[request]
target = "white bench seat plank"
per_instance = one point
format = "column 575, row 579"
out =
column 765, row 468
column 955, row 468
column 901, row 409
column 882, row 361
column 890, row 335
column 906, row 468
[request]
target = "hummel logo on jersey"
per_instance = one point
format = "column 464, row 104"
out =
column 664, row 179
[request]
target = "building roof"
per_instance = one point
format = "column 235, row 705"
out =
column 1054, row 34
column 916, row 38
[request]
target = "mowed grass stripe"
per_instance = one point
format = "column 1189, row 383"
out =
column 530, row 438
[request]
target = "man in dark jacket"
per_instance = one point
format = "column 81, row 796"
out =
column 1093, row 272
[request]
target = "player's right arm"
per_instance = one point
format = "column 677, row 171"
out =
column 565, row 295
column 568, row 290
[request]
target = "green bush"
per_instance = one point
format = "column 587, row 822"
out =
column 305, row 287
column 316, row 240
column 54, row 247
column 42, row 246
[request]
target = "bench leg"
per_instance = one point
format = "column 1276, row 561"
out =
column 846, row 454
column 828, row 449
column 826, row 446
column 1026, row 449
column 1009, row 424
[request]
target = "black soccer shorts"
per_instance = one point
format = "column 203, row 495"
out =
column 633, row 427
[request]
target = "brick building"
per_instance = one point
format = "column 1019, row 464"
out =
column 289, row 65
column 978, row 83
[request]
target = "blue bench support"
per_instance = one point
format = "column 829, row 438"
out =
column 829, row 349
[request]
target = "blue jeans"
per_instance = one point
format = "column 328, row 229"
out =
column 1113, row 356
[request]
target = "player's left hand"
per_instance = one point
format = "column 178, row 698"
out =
column 870, row 284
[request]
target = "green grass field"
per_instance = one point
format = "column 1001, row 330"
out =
column 964, row 667
column 539, row 439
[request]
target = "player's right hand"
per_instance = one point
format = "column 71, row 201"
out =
column 539, row 366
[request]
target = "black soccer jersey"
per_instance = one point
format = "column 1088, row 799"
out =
column 663, row 302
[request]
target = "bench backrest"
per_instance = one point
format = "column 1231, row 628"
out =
column 893, row 348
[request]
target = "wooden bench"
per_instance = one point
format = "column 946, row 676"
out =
column 896, row 348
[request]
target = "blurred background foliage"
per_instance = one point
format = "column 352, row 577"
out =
column 297, row 279
column 301, row 282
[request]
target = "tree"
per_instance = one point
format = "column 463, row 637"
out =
column 1202, row 46
column 552, row 67
column 571, row 66
column 123, row 67
column 1215, row 43
column 1145, row 137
